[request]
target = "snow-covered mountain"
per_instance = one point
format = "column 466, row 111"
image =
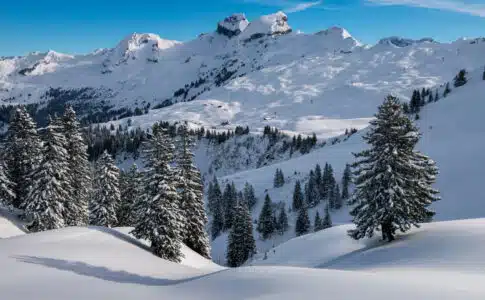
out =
column 243, row 73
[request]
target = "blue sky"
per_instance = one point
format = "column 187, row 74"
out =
column 82, row 26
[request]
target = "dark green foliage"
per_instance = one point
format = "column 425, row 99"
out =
column 282, row 220
column 327, row 220
column 302, row 225
column 24, row 153
column 249, row 196
column 312, row 193
column 298, row 198
column 317, row 224
column 229, row 200
column 447, row 90
column 130, row 190
column 460, row 78
column 241, row 245
column 266, row 225
column 393, row 182
column 279, row 178
column 346, row 181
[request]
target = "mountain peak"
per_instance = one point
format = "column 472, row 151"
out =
column 274, row 24
column 232, row 25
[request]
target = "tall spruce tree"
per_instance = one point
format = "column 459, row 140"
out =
column 241, row 244
column 265, row 223
column 302, row 225
column 131, row 186
column 106, row 194
column 317, row 224
column 217, row 223
column 298, row 197
column 249, row 195
column 282, row 220
column 393, row 184
column 327, row 220
column 279, row 178
column 346, row 181
column 50, row 183
column 7, row 194
column 229, row 199
column 76, row 206
column 312, row 193
column 214, row 196
column 159, row 218
column 192, row 197
column 337, row 198
column 24, row 153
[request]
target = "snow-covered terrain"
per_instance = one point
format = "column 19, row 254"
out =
column 96, row 263
column 245, row 73
column 451, row 129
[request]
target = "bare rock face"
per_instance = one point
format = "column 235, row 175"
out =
column 232, row 25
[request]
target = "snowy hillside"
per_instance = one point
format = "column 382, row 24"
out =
column 95, row 263
column 451, row 130
column 244, row 73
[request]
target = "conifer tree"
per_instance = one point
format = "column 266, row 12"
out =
column 327, row 220
column 76, row 206
column 317, row 224
column 106, row 194
column 302, row 225
column 346, row 180
column 460, row 78
column 45, row 200
column 282, row 220
column 279, row 178
column 265, row 222
column 215, row 196
column 7, row 194
column 447, row 90
column 249, row 196
column 229, row 203
column 337, row 198
column 159, row 218
column 241, row 244
column 393, row 184
column 328, row 182
column 131, row 185
column 192, row 199
column 217, row 223
column 298, row 198
column 312, row 193
column 24, row 153
column 436, row 96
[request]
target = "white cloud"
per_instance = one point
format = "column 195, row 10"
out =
column 302, row 6
column 288, row 6
column 450, row 5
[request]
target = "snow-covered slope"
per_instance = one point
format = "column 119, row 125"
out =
column 452, row 246
column 451, row 135
column 95, row 263
column 244, row 73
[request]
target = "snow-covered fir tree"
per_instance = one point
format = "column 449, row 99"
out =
column 327, row 220
column 76, row 206
column 131, row 186
column 7, row 194
column 106, row 194
column 279, row 178
column 393, row 181
column 302, row 225
column 24, row 153
column 266, row 225
column 249, row 195
column 346, row 181
column 229, row 199
column 192, row 197
column 214, row 195
column 317, row 224
column 241, row 244
column 328, row 182
column 337, row 197
column 159, row 218
column 298, row 197
column 312, row 193
column 50, row 183
column 217, row 223
column 282, row 220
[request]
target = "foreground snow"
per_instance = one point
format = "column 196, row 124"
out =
column 99, row 263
